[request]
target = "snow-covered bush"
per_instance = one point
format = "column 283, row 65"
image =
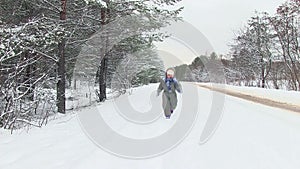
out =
column 24, row 73
column 19, row 109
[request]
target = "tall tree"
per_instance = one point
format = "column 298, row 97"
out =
column 61, row 67
column 286, row 25
column 253, row 50
column 105, row 16
column 260, row 41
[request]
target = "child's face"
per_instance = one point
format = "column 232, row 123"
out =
column 169, row 76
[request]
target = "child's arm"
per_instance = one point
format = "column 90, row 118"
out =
column 178, row 86
column 160, row 87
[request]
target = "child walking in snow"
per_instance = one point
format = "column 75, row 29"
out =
column 169, row 86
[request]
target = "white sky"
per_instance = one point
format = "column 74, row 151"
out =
column 217, row 20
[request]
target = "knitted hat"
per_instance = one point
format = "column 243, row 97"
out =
column 170, row 71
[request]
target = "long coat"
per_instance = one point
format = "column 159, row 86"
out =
column 169, row 97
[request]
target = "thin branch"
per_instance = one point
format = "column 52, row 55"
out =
column 43, row 54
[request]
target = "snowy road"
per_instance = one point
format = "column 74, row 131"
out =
column 249, row 135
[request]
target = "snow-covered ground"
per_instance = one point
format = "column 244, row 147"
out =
column 249, row 135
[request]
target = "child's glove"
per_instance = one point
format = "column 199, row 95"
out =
column 175, row 80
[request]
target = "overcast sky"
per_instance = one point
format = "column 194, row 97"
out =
column 217, row 20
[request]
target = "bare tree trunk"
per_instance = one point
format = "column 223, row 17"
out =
column 102, row 79
column 103, row 64
column 61, row 98
column 75, row 84
column 296, row 80
column 30, row 70
column 27, row 82
column 61, row 79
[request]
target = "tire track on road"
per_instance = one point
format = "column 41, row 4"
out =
column 264, row 101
